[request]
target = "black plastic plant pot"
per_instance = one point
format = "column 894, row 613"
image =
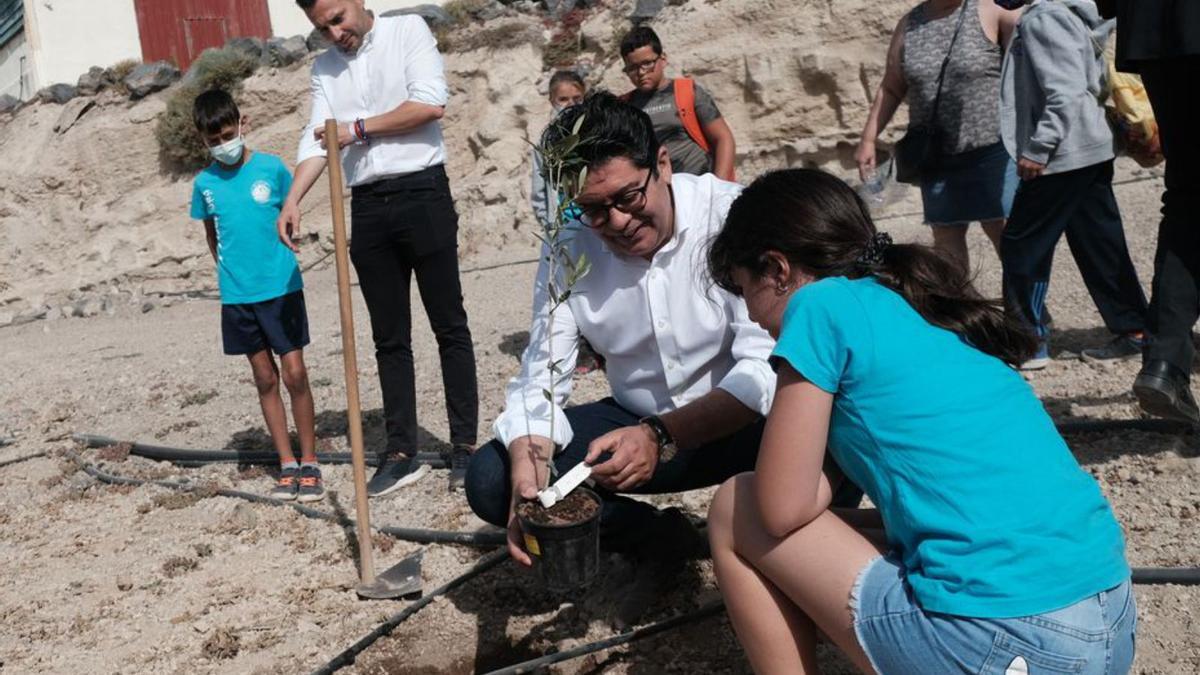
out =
column 566, row 555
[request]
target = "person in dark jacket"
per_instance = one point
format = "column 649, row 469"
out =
column 1160, row 40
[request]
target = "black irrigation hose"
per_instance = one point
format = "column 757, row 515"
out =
column 711, row 609
column 417, row 535
column 1151, row 576
column 1157, row 426
column 1141, row 576
column 193, row 458
column 18, row 460
column 347, row 657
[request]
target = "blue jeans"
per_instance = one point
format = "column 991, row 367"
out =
column 1094, row 636
column 489, row 487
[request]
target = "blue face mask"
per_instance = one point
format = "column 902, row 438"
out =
column 230, row 152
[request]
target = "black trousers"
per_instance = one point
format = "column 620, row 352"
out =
column 1175, row 292
column 1081, row 204
column 402, row 227
column 623, row 520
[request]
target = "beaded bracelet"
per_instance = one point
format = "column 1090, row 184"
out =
column 360, row 130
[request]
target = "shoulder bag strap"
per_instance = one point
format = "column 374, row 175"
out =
column 937, row 97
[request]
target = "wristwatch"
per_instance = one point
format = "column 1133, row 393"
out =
column 666, row 443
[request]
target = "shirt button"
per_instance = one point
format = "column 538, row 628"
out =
column 662, row 324
column 670, row 365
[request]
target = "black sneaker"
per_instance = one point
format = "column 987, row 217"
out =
column 460, row 457
column 312, row 488
column 1120, row 348
column 288, row 485
column 395, row 472
column 1164, row 391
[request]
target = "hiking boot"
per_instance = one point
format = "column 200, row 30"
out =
column 312, row 487
column 288, row 485
column 1039, row 360
column 1164, row 391
column 394, row 472
column 1120, row 348
column 671, row 541
column 460, row 457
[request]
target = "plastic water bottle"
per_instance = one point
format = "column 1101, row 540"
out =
column 872, row 189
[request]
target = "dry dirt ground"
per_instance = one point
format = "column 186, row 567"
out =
column 139, row 580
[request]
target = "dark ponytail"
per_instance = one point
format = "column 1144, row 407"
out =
column 819, row 224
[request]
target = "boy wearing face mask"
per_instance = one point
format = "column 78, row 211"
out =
column 238, row 197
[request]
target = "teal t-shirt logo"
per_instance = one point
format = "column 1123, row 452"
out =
column 252, row 264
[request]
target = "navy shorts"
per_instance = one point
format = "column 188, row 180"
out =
column 279, row 323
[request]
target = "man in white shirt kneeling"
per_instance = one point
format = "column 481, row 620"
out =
column 687, row 367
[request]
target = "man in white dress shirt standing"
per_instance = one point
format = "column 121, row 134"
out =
column 383, row 81
column 687, row 367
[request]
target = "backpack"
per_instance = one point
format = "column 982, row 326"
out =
column 685, row 106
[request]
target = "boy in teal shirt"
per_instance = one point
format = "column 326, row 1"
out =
column 262, row 299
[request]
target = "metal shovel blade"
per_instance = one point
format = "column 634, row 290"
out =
column 399, row 580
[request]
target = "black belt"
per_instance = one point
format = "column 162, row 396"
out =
column 425, row 178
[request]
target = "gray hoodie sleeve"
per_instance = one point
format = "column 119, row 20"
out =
column 1058, row 47
column 537, row 192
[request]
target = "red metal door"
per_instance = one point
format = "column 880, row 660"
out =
column 178, row 30
column 200, row 33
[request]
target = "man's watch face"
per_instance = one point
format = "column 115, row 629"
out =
column 667, row 452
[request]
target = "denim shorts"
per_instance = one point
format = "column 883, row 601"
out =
column 975, row 185
column 1093, row 636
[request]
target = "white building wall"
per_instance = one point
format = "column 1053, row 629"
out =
column 15, row 61
column 69, row 36
column 287, row 19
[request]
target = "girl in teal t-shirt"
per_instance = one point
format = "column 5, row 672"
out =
column 992, row 551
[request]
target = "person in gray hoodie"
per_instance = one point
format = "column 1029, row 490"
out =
column 1053, row 123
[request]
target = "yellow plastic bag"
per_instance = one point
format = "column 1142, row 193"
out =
column 1130, row 114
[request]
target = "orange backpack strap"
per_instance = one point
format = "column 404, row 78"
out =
column 685, row 103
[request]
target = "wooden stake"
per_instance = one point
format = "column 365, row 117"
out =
column 349, row 357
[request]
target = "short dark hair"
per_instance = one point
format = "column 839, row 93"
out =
column 611, row 128
column 306, row 4
column 568, row 76
column 214, row 110
column 639, row 37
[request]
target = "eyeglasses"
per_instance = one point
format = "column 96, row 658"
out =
column 627, row 202
column 643, row 67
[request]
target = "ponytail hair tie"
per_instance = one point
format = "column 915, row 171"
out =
column 873, row 252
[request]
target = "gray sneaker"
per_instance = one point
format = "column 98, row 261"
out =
column 312, row 487
column 394, row 472
column 288, row 485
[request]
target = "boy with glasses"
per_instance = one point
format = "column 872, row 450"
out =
column 686, row 120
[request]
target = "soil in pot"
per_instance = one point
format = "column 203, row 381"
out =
column 564, row 540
